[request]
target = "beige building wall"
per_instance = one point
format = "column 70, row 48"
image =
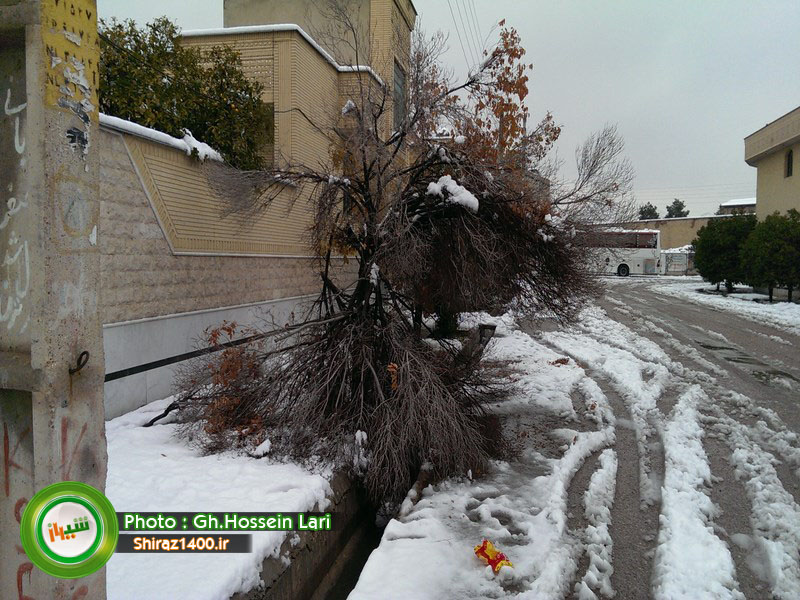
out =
column 302, row 84
column 315, row 91
column 675, row 233
column 314, row 17
column 381, row 26
column 766, row 150
column 774, row 191
column 383, row 40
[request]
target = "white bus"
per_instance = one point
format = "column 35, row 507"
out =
column 625, row 252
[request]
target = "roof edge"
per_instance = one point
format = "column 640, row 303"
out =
column 284, row 27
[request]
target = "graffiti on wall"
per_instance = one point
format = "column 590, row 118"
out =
column 15, row 270
column 16, row 453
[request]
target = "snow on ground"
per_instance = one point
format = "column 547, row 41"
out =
column 561, row 417
column 520, row 505
column 686, row 537
column 150, row 470
column 597, row 502
column 639, row 369
column 783, row 315
column 774, row 545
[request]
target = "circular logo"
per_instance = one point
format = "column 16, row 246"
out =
column 69, row 530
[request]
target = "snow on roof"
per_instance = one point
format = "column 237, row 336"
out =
column 691, row 218
column 740, row 202
column 187, row 144
column 680, row 250
column 623, row 230
column 284, row 27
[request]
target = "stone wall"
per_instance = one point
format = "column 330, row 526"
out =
column 156, row 302
column 142, row 278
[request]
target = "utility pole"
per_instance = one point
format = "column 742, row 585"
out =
column 51, row 344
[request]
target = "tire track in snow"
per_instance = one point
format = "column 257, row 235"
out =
column 597, row 502
column 774, row 514
column 634, row 522
column 576, row 518
column 733, row 520
column 687, row 538
column 634, row 368
column 745, row 441
column 763, row 425
column 644, row 374
column 726, row 493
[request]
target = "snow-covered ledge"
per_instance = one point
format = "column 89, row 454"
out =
column 281, row 28
column 188, row 144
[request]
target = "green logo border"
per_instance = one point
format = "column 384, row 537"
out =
column 96, row 556
column 40, row 537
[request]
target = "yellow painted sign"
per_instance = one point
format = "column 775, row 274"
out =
column 72, row 56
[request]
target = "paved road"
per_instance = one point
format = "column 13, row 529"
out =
column 750, row 375
column 759, row 362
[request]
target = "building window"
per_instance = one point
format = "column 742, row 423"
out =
column 789, row 160
column 399, row 96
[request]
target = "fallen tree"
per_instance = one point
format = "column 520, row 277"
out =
column 441, row 211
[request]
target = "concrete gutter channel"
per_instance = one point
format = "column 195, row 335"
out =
column 324, row 564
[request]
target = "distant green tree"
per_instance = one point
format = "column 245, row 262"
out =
column 793, row 276
column 718, row 249
column 147, row 77
column 647, row 211
column 771, row 254
column 676, row 209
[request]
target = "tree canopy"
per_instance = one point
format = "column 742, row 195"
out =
column 718, row 249
column 676, row 209
column 147, row 77
column 647, row 211
column 771, row 254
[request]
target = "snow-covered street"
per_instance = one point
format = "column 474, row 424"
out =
column 661, row 459
column 657, row 456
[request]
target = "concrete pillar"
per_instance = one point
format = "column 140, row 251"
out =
column 51, row 420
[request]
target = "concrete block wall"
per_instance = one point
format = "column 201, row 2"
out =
column 142, row 278
column 155, row 305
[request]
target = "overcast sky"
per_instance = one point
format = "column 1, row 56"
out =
column 684, row 80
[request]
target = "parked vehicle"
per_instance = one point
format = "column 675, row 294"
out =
column 624, row 252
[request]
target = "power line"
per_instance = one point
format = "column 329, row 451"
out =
column 695, row 198
column 698, row 187
column 669, row 197
column 467, row 33
column 481, row 46
column 466, row 21
column 741, row 192
column 458, row 33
